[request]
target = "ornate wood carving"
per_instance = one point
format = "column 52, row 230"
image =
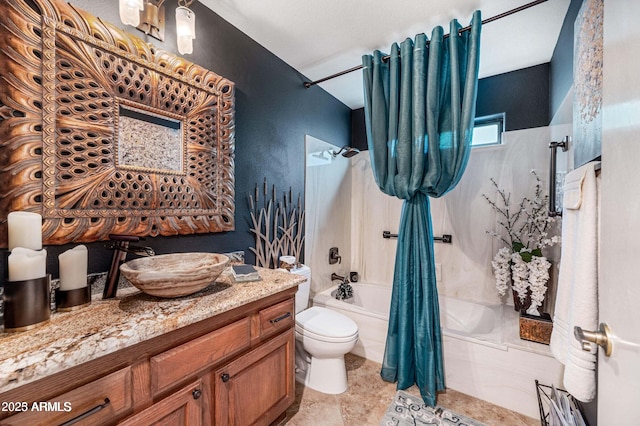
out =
column 63, row 76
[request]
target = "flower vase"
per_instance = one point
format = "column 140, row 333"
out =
column 535, row 328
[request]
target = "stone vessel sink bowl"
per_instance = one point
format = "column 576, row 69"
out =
column 176, row 274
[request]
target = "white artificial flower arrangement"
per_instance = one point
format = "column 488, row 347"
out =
column 521, row 262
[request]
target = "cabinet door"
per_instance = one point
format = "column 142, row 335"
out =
column 183, row 408
column 258, row 387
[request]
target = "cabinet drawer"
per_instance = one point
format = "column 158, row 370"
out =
column 103, row 401
column 177, row 364
column 276, row 318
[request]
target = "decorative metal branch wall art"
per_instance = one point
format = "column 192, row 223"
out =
column 278, row 227
column 102, row 133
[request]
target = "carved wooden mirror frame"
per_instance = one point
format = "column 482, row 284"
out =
column 64, row 75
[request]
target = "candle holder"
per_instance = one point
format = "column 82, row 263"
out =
column 26, row 304
column 70, row 300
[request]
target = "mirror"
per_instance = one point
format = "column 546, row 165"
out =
column 107, row 134
column 149, row 141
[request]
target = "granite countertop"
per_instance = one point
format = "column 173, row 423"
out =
column 106, row 326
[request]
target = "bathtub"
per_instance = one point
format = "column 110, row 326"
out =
column 482, row 358
column 369, row 308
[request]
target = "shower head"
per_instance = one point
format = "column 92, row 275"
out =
column 348, row 152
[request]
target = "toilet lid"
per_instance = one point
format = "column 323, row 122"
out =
column 325, row 322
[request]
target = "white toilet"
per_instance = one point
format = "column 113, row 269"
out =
column 323, row 337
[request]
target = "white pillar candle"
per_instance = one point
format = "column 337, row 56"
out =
column 27, row 264
column 25, row 230
column 73, row 268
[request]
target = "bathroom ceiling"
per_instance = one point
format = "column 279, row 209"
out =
column 320, row 38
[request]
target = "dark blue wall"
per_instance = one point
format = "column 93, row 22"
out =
column 523, row 96
column 273, row 114
column 561, row 67
column 358, row 131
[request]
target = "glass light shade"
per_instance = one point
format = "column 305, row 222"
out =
column 185, row 29
column 130, row 11
column 185, row 45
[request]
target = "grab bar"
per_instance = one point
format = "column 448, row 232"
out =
column 446, row 238
column 552, row 174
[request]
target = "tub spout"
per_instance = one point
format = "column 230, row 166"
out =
column 336, row 277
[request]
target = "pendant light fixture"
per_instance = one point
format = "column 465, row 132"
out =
column 185, row 27
column 148, row 17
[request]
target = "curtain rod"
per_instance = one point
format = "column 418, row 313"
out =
column 308, row 84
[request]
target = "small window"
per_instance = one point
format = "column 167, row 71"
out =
column 488, row 130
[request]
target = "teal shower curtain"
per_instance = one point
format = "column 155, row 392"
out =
column 419, row 113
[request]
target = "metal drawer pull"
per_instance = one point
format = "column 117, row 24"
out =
column 280, row 318
column 225, row 377
column 87, row 413
column 601, row 337
column 197, row 393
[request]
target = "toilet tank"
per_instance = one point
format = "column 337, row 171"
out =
column 302, row 295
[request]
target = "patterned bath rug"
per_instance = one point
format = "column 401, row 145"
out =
column 410, row 410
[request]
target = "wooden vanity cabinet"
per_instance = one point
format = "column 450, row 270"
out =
column 235, row 368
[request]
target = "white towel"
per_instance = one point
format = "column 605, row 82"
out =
column 577, row 294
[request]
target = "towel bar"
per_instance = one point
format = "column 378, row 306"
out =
column 446, row 238
column 552, row 174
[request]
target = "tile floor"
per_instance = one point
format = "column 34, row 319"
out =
column 368, row 397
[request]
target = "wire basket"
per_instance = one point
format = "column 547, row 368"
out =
column 544, row 400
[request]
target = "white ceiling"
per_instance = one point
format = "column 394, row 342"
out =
column 323, row 37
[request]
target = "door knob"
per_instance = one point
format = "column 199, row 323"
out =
column 602, row 338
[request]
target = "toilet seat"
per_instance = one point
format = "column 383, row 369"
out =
column 310, row 335
column 326, row 325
